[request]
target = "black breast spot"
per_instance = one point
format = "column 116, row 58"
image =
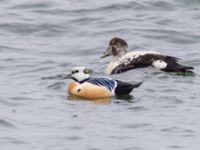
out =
column 78, row 90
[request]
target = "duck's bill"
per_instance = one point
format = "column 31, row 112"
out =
column 106, row 53
column 68, row 76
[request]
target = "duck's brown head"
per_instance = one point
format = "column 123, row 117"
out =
column 117, row 47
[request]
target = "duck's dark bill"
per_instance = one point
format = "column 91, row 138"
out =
column 68, row 76
column 105, row 54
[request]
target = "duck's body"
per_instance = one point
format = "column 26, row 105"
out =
column 123, row 61
column 90, row 90
column 95, row 88
column 119, row 64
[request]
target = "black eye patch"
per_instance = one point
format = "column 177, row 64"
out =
column 75, row 71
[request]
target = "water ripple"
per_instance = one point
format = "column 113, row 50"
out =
column 40, row 41
column 7, row 124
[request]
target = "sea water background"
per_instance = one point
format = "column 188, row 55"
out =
column 42, row 39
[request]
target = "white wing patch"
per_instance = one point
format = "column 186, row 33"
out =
column 160, row 64
column 128, row 57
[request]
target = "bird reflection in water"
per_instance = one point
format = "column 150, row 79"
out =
column 106, row 100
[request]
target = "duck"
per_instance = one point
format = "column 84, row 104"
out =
column 124, row 60
column 85, row 86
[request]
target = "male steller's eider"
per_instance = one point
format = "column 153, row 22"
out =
column 94, row 88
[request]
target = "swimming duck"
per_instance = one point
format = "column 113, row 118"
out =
column 123, row 60
column 94, row 88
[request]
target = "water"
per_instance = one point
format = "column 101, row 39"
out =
column 43, row 39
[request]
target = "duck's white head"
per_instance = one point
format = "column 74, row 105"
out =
column 80, row 73
column 117, row 47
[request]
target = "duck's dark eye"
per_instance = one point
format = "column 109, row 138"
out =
column 114, row 51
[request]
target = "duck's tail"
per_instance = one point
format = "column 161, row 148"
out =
column 174, row 66
column 182, row 68
column 178, row 68
column 124, row 88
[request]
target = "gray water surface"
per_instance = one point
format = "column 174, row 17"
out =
column 43, row 39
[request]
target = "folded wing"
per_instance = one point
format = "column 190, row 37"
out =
column 105, row 82
column 167, row 63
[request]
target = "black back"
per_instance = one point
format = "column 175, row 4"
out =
column 124, row 88
column 147, row 60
